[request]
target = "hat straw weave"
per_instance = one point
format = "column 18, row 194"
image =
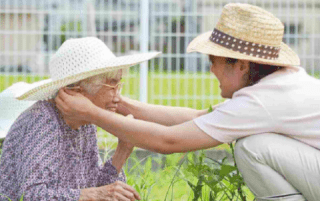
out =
column 78, row 59
column 246, row 32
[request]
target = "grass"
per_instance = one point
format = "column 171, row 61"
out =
column 159, row 177
column 170, row 177
column 177, row 89
column 178, row 180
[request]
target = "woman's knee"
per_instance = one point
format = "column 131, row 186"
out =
column 255, row 147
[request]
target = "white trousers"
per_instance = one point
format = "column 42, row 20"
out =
column 276, row 167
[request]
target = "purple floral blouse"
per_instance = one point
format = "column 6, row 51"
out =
column 44, row 159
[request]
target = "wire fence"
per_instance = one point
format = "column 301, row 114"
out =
column 32, row 30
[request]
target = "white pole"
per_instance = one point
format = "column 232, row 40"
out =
column 91, row 22
column 144, row 39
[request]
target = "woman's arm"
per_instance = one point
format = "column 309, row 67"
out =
column 154, row 137
column 122, row 153
column 164, row 115
column 148, row 135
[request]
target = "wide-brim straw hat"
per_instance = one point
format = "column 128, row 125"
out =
column 10, row 107
column 78, row 59
column 247, row 32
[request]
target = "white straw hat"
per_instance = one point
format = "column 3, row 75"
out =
column 78, row 59
column 10, row 107
column 247, row 32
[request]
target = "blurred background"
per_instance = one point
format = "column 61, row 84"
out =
column 32, row 30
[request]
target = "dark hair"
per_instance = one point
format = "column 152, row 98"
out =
column 256, row 72
column 259, row 71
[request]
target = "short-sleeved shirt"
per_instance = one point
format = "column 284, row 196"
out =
column 44, row 159
column 285, row 102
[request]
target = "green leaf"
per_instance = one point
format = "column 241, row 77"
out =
column 192, row 186
column 21, row 199
column 226, row 169
column 210, row 109
column 211, row 198
column 6, row 197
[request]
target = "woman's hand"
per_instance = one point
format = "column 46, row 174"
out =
column 74, row 106
column 117, row 191
column 122, row 109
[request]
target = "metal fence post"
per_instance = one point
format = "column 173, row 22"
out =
column 91, row 21
column 144, row 39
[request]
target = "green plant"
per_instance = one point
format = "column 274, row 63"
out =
column 21, row 198
column 1, row 144
column 223, row 179
column 211, row 179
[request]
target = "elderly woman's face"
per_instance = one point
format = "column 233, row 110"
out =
column 108, row 97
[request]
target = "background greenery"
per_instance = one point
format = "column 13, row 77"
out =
column 181, row 176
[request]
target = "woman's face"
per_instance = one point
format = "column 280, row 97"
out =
column 107, row 97
column 231, row 76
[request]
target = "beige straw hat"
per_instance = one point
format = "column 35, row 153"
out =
column 75, row 60
column 247, row 32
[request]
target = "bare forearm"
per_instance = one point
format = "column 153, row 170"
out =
column 147, row 135
column 164, row 115
column 119, row 158
column 151, row 136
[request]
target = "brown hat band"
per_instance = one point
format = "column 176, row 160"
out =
column 244, row 47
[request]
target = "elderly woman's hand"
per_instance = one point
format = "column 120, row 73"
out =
column 73, row 105
column 117, row 191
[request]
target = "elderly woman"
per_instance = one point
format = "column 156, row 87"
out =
column 46, row 159
column 273, row 109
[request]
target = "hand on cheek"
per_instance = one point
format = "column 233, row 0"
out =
column 73, row 105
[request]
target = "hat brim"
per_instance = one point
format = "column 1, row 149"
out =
column 47, row 89
column 3, row 134
column 202, row 44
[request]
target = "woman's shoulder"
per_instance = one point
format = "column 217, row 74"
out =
column 40, row 112
column 32, row 122
column 42, row 108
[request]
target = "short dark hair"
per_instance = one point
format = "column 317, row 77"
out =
column 256, row 72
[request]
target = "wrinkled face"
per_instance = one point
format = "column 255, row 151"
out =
column 107, row 97
column 230, row 76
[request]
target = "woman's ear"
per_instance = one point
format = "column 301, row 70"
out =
column 244, row 68
column 244, row 65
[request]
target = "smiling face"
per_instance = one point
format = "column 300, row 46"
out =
column 102, row 91
column 107, row 97
column 232, row 76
